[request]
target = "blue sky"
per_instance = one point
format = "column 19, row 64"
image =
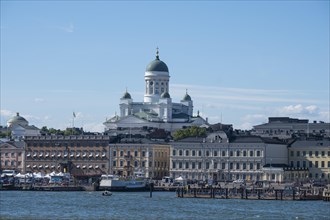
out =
column 241, row 61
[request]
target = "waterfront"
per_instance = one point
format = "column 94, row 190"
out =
column 139, row 205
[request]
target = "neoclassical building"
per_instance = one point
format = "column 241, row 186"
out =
column 20, row 127
column 157, row 109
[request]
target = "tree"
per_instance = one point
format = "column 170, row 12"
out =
column 193, row 131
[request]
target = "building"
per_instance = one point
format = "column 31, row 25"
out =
column 85, row 157
column 157, row 109
column 150, row 158
column 243, row 158
column 313, row 155
column 20, row 127
column 286, row 128
column 12, row 156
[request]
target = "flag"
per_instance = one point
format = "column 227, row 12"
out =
column 74, row 114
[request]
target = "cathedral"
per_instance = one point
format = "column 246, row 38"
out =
column 157, row 109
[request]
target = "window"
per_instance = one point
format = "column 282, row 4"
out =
column 136, row 163
column 187, row 152
column 143, row 163
column 237, row 153
column 135, row 153
column 174, row 152
column 223, row 166
column 304, row 164
column 258, row 153
column 244, row 166
column 193, row 165
column 173, row 165
column 231, row 153
column 207, row 164
column 207, row 153
column 231, row 165
column 304, row 153
column 244, row 153
column 215, row 166
column 143, row 153
column 258, row 166
column 180, row 165
column 187, row 165
column 200, row 165
column 193, row 153
column 251, row 166
column 298, row 153
column 180, row 152
column 121, row 153
column 200, row 153
column 298, row 164
column 215, row 153
column 310, row 164
column 322, row 163
column 322, row 153
column 114, row 163
column 121, row 163
column 316, row 153
column 316, row 164
column 223, row 153
column 291, row 164
column 251, row 153
column 310, row 153
column 291, row 153
column 129, row 153
column 328, row 164
column 237, row 166
column 114, row 153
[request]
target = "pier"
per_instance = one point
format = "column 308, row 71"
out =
column 250, row 193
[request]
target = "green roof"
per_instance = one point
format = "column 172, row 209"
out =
column 157, row 65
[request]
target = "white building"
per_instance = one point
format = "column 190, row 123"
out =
column 20, row 127
column 157, row 109
column 285, row 128
column 244, row 158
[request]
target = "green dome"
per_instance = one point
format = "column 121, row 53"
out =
column 165, row 95
column 157, row 65
column 186, row 97
column 127, row 96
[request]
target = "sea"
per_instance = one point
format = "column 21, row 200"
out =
column 140, row 205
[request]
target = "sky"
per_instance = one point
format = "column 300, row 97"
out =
column 240, row 61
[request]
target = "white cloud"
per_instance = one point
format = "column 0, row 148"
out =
column 39, row 100
column 299, row 109
column 68, row 28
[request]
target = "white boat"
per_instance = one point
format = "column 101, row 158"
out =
column 107, row 193
column 117, row 183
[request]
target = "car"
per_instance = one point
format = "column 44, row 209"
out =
column 240, row 181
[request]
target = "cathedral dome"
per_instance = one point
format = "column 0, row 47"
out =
column 186, row 97
column 17, row 120
column 165, row 95
column 157, row 65
column 126, row 96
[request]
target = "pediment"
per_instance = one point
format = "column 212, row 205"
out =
column 7, row 146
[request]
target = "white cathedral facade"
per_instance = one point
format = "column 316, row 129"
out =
column 157, row 109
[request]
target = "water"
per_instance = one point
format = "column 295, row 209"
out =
column 138, row 205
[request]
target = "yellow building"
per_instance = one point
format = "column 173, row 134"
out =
column 150, row 159
column 313, row 155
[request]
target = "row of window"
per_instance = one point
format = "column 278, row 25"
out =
column 238, row 153
column 215, row 165
column 121, row 163
column 310, row 153
column 67, row 145
column 19, row 154
column 309, row 164
column 11, row 163
column 83, row 154
column 52, row 166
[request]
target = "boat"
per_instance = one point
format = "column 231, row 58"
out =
column 107, row 193
column 118, row 183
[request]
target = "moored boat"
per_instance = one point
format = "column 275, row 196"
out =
column 117, row 183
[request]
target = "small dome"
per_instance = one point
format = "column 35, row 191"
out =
column 165, row 95
column 127, row 96
column 186, row 97
column 157, row 65
column 17, row 120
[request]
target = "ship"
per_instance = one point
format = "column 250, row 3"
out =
column 118, row 183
